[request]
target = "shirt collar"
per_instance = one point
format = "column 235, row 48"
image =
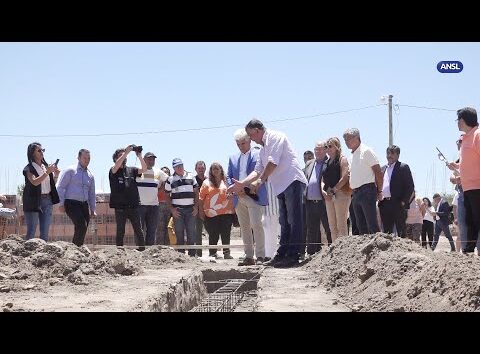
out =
column 264, row 138
column 79, row 167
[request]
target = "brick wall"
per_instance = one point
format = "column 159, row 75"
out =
column 61, row 228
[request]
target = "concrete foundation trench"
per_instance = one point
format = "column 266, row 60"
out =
column 210, row 290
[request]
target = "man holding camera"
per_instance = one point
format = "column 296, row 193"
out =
column 76, row 190
column 124, row 196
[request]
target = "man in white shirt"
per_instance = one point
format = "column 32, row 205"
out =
column 278, row 164
column 148, row 183
column 366, row 180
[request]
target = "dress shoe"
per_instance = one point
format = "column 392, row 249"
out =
column 141, row 248
column 272, row 262
column 260, row 260
column 287, row 262
column 247, row 262
column 227, row 256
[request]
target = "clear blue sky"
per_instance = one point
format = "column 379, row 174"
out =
column 95, row 88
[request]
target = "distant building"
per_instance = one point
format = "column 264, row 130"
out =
column 62, row 227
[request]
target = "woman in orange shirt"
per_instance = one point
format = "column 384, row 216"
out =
column 216, row 209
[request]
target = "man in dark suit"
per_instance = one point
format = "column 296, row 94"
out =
column 315, row 208
column 398, row 188
column 442, row 211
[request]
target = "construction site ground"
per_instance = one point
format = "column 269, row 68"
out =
column 357, row 273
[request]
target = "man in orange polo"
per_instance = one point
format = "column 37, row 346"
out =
column 469, row 167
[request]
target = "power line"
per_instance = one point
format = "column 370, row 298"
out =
column 424, row 107
column 183, row 130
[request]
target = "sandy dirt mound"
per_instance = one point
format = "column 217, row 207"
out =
column 26, row 265
column 384, row 273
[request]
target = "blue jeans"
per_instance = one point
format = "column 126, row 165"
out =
column 364, row 201
column 149, row 220
column 462, row 224
column 44, row 216
column 291, row 220
column 186, row 222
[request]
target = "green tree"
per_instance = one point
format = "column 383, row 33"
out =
column 20, row 189
column 448, row 197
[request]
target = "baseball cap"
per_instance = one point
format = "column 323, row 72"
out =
column 176, row 162
column 149, row 154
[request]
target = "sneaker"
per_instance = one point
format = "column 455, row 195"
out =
column 227, row 256
column 247, row 262
column 266, row 259
column 260, row 260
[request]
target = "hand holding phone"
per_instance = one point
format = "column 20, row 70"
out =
column 56, row 162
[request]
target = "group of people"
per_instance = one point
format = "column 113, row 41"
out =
column 268, row 192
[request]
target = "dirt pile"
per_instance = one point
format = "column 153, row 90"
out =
column 384, row 273
column 25, row 265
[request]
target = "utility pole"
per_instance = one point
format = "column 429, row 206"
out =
column 390, row 125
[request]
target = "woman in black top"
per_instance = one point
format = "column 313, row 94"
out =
column 40, row 193
column 336, row 189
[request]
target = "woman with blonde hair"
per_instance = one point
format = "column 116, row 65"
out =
column 216, row 209
column 336, row 188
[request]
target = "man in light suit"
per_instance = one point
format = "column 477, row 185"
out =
column 249, row 202
column 398, row 188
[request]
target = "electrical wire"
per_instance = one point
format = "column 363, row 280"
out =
column 183, row 130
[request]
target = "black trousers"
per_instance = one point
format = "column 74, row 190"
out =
column 78, row 212
column 219, row 226
column 121, row 216
column 316, row 213
column 393, row 213
column 472, row 217
column 427, row 229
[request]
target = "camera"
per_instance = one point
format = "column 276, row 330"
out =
column 250, row 194
column 136, row 148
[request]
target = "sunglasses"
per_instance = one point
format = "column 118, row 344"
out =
column 329, row 146
column 40, row 150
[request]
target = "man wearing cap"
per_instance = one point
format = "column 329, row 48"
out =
column 469, row 168
column 182, row 197
column 148, row 183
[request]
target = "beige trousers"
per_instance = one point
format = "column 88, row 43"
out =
column 337, row 212
column 271, row 225
column 250, row 218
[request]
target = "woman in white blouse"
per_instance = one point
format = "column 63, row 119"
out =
column 428, row 222
column 40, row 193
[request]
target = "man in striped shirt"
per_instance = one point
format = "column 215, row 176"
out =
column 182, row 197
